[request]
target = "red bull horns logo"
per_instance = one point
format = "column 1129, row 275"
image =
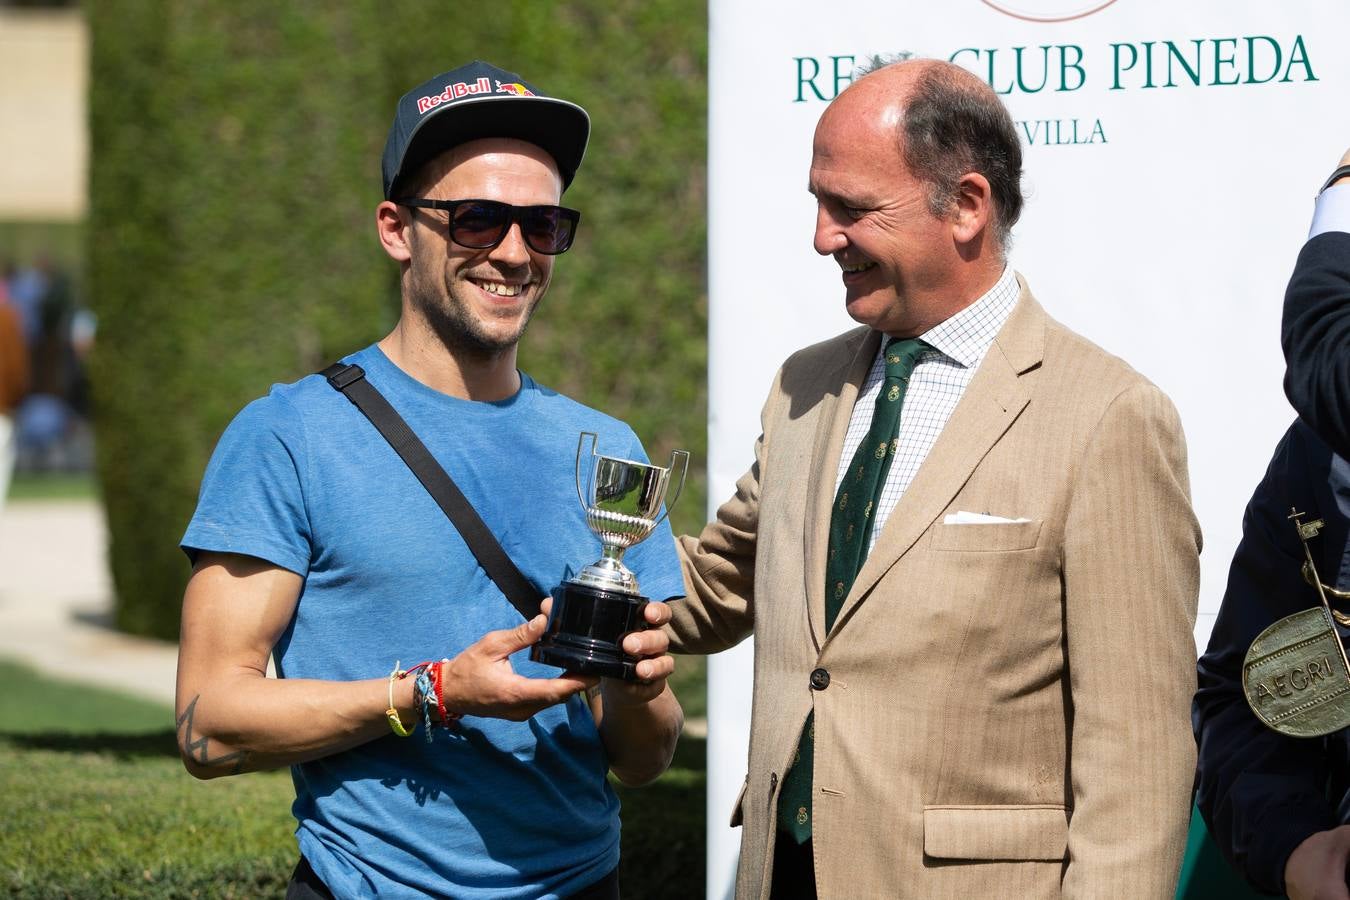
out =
column 464, row 89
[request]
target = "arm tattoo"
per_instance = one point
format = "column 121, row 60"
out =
column 196, row 749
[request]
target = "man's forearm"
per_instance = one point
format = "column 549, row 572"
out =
column 247, row 722
column 639, row 737
column 232, row 718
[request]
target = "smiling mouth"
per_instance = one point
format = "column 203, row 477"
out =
column 856, row 268
column 499, row 288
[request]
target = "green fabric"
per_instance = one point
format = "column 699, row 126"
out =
column 1205, row 874
column 850, row 536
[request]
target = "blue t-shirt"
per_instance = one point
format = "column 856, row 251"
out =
column 491, row 808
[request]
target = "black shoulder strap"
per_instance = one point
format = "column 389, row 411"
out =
column 351, row 381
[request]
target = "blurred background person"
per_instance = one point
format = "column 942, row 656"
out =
column 52, row 431
column 27, row 285
column 13, row 384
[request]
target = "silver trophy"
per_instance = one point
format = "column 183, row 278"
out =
column 595, row 609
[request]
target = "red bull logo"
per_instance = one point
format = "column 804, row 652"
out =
column 514, row 87
column 454, row 92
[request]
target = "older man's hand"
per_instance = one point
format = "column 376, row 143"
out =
column 656, row 663
column 655, row 666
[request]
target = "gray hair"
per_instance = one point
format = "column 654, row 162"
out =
column 954, row 124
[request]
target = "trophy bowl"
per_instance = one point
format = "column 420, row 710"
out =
column 593, row 610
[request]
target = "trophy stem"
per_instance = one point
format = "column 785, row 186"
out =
column 609, row 573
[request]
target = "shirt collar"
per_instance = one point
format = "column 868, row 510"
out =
column 967, row 336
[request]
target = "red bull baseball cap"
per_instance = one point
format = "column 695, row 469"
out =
column 475, row 101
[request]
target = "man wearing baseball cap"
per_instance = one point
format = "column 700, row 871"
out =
column 476, row 773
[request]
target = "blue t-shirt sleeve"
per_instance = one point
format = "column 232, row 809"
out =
column 252, row 498
column 654, row 560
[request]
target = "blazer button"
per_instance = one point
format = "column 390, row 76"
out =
column 773, row 780
column 820, row 680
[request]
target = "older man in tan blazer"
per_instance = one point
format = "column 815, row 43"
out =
column 992, row 699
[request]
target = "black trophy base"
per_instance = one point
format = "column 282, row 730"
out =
column 585, row 629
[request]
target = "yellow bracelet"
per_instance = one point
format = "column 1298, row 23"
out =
column 391, row 713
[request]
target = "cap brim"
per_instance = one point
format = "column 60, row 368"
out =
column 557, row 126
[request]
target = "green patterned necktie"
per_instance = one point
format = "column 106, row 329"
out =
column 850, row 535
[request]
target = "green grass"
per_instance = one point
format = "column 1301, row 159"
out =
column 53, row 486
column 32, row 705
column 96, row 804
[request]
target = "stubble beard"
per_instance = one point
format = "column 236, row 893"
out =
column 454, row 324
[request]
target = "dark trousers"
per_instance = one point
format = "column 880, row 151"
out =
column 305, row 885
column 794, row 870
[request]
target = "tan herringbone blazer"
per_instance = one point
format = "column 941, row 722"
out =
column 1007, row 713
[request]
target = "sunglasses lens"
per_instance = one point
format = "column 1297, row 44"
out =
column 548, row 229
column 480, row 224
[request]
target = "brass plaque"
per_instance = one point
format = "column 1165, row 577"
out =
column 1295, row 676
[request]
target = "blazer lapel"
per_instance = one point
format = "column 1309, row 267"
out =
column 992, row 401
column 831, row 427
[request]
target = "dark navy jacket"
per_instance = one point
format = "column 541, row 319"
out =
column 1316, row 338
column 1262, row 793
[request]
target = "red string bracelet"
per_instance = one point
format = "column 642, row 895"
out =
column 438, row 682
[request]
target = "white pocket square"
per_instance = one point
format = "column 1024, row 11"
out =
column 961, row 517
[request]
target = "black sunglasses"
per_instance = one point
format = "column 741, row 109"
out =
column 483, row 224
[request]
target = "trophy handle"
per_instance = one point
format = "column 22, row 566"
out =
column 581, row 442
column 680, row 457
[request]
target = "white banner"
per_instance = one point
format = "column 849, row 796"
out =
column 1172, row 155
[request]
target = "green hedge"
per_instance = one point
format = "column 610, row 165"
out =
column 231, row 243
